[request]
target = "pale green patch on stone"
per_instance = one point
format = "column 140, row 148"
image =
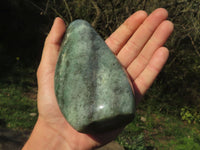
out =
column 92, row 89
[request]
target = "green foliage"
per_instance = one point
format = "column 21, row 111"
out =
column 190, row 115
column 132, row 137
column 131, row 142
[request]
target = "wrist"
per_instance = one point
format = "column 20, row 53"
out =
column 44, row 137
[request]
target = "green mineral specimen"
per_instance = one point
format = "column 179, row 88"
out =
column 92, row 89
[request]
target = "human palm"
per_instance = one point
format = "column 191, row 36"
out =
column 137, row 44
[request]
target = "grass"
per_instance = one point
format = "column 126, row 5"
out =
column 153, row 130
column 18, row 108
column 17, row 111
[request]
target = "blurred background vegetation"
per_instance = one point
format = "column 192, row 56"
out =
column 172, row 103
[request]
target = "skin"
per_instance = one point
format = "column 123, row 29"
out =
column 138, row 45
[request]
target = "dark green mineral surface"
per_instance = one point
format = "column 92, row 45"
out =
column 92, row 89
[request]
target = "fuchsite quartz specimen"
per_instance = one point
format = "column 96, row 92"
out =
column 92, row 89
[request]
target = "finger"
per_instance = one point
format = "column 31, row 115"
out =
column 146, row 78
column 157, row 40
column 135, row 44
column 51, row 50
column 46, row 69
column 117, row 40
column 53, row 41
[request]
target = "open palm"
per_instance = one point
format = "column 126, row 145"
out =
column 137, row 44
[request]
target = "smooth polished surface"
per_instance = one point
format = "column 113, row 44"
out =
column 92, row 89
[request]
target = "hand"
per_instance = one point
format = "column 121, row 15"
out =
column 137, row 44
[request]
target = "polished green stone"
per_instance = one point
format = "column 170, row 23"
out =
column 92, row 89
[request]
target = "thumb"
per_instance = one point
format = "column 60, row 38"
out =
column 51, row 51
